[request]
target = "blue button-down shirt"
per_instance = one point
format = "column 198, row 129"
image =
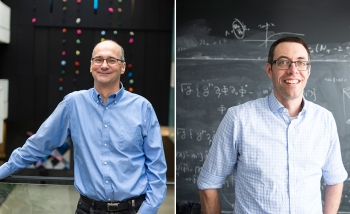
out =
column 118, row 150
column 277, row 161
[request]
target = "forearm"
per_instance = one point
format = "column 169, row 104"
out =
column 210, row 201
column 332, row 198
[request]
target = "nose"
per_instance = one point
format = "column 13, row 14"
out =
column 104, row 63
column 293, row 68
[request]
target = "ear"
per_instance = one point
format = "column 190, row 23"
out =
column 268, row 68
column 123, row 68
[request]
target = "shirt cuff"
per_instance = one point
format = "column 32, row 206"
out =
column 335, row 176
column 147, row 209
column 209, row 181
column 4, row 171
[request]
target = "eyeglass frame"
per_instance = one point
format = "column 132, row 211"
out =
column 308, row 65
column 92, row 59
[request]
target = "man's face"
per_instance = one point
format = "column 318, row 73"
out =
column 107, row 74
column 289, row 84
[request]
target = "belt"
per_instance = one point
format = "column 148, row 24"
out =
column 115, row 206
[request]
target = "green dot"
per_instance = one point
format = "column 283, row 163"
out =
column 63, row 72
column 115, row 32
column 119, row 22
column 60, row 88
column 78, row 41
column 131, row 81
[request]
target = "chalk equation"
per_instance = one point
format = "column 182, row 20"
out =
column 217, row 90
column 200, row 156
column 194, row 89
column 199, row 135
column 238, row 29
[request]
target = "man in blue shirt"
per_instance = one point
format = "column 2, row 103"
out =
column 278, row 147
column 119, row 163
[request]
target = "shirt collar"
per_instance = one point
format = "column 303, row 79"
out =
column 114, row 97
column 275, row 105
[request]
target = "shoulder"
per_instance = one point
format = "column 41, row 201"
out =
column 135, row 98
column 249, row 107
column 315, row 110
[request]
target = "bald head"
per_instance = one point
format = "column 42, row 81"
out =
column 110, row 43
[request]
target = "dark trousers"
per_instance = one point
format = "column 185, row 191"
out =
column 84, row 208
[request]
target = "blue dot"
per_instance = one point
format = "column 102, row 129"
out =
column 130, row 74
column 63, row 63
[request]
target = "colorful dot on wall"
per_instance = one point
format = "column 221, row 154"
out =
column 79, row 32
column 63, row 53
column 63, row 72
column 60, row 79
column 103, row 33
column 77, row 63
column 132, row 33
column 120, row 23
column 129, row 65
column 76, row 72
column 78, row 41
column 115, row 32
column 131, row 89
column 131, row 81
column 130, row 74
column 33, row 20
column 120, row 1
column 64, row 8
column 64, row 30
column 111, row 10
column 78, row 21
column 63, row 63
column 131, row 40
column 60, row 88
column 120, row 10
column 102, row 39
column 78, row 1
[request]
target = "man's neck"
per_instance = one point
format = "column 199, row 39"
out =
column 107, row 91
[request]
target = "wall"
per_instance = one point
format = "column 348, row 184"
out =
column 32, row 61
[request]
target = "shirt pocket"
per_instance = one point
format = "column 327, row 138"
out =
column 130, row 138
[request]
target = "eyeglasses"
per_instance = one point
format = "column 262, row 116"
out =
column 284, row 64
column 110, row 61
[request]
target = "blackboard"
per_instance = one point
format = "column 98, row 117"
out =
column 222, row 49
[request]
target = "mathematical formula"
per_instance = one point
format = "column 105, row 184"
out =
column 199, row 135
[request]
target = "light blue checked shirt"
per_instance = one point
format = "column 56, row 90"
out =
column 277, row 162
column 118, row 150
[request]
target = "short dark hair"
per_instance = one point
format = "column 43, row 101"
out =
column 286, row 39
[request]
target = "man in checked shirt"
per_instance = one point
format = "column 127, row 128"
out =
column 279, row 146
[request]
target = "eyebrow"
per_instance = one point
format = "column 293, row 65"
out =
column 300, row 57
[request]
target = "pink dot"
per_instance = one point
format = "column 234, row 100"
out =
column 79, row 31
column 33, row 20
column 131, row 40
column 111, row 10
column 63, row 53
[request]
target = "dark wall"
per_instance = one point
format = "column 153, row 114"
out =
column 32, row 60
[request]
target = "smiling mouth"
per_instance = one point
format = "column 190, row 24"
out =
column 292, row 81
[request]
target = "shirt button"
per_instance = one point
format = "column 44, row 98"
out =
column 109, row 199
column 107, row 108
column 105, row 144
column 106, row 126
column 106, row 182
column 105, row 162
